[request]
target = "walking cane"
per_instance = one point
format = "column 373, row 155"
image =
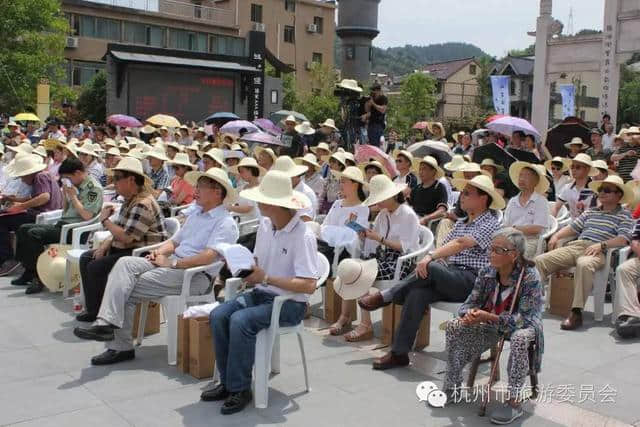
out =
column 494, row 365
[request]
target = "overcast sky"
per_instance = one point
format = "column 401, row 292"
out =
column 496, row 26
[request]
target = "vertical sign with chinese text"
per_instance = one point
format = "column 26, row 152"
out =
column 500, row 89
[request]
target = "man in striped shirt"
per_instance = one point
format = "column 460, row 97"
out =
column 627, row 156
column 626, row 305
column 597, row 230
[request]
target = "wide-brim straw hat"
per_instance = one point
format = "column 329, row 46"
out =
column 321, row 146
column 456, row 136
column 354, row 277
column 275, row 189
column 158, row 153
column 305, row 128
column 286, row 165
column 470, row 167
column 350, row 84
column 291, row 119
column 148, row 129
column 113, row 151
column 543, row 183
column 566, row 163
column 268, row 151
column 247, row 162
column 602, row 165
column 40, row 151
column 431, row 161
column 24, row 147
column 485, row 184
column 217, row 155
column 628, row 193
column 363, row 167
column 25, row 164
column 490, row 162
column 576, row 141
column 432, row 125
column 404, row 153
column 51, row 267
column 309, row 159
column 175, row 146
column 352, row 173
column 182, row 159
column 329, row 123
column 382, row 188
column 135, row 153
column 339, row 157
column 51, row 144
column 132, row 165
column 456, row 163
column 586, row 160
column 217, row 175
column 88, row 149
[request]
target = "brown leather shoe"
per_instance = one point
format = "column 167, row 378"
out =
column 371, row 302
column 574, row 321
column 391, row 360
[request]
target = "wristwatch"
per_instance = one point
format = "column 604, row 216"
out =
column 174, row 263
column 430, row 254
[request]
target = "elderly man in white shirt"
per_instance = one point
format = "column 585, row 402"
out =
column 286, row 264
column 160, row 273
column 529, row 210
column 286, row 165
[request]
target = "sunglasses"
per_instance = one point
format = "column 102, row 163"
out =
column 555, row 168
column 608, row 190
column 500, row 250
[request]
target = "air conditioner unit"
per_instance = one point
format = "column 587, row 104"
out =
column 258, row 26
column 312, row 28
column 72, row 42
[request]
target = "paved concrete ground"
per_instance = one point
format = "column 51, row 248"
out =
column 46, row 379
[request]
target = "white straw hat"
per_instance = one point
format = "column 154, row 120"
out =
column 456, row 163
column 305, row 128
column 286, row 165
column 350, row 84
column 158, row 153
column 576, row 141
column 321, row 146
column 329, row 123
column 40, row 151
column 566, row 163
column 290, row 118
column 586, row 160
column 339, row 157
column 113, row 151
column 268, row 151
column 132, row 165
column 218, row 175
column 247, row 162
column 628, row 194
column 25, row 147
column 363, row 167
column 217, row 155
column 382, row 188
column 485, row 184
column 275, row 189
column 543, row 182
column 51, row 267
column 355, row 277
column 182, row 159
column 431, row 161
column 469, row 167
column 88, row 149
column 352, row 173
column 308, row 159
column 25, row 164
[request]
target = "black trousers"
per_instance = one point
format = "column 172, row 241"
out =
column 9, row 223
column 443, row 283
column 31, row 240
column 94, row 274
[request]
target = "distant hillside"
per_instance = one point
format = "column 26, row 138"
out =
column 402, row 60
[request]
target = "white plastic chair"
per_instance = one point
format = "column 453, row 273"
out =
column 623, row 255
column 553, row 227
column 175, row 210
column 499, row 216
column 267, row 357
column 49, row 217
column 248, row 227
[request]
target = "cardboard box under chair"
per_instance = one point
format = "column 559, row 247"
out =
column 391, row 316
column 333, row 304
column 152, row 326
column 201, row 355
column 561, row 298
column 183, row 345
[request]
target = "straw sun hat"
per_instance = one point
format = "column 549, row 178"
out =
column 329, row 123
column 275, row 189
column 543, row 182
column 382, row 188
column 628, row 194
column 374, row 163
column 355, row 277
column 286, row 165
column 309, row 160
column 217, row 155
column 469, row 167
column 485, row 184
column 585, row 159
column 305, row 128
column 576, row 141
column 217, row 175
column 562, row 160
column 352, row 173
column 431, row 161
column 182, row 159
column 268, row 151
column 51, row 267
column 247, row 162
column 25, row 164
column 456, row 163
column 157, row 152
column 321, row 146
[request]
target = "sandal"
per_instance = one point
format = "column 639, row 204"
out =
column 360, row 333
column 340, row 328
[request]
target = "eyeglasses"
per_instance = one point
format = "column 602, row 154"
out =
column 608, row 190
column 500, row 250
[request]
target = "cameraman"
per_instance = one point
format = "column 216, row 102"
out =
column 349, row 93
column 375, row 113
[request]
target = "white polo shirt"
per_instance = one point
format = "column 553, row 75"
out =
column 401, row 225
column 570, row 195
column 289, row 252
column 311, row 211
column 535, row 211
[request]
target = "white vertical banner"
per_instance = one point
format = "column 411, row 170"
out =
column 500, row 89
column 568, row 92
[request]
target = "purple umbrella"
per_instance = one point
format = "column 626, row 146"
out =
column 267, row 126
column 261, row 138
column 235, row 126
column 124, row 121
column 507, row 125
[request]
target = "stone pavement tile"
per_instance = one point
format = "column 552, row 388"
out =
column 586, row 355
column 40, row 397
column 625, row 370
column 570, row 415
column 40, row 324
column 317, row 345
column 99, row 416
column 25, row 364
column 11, row 338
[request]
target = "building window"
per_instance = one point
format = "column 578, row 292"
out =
column 149, row 35
column 512, row 89
column 316, row 58
column 289, row 34
column 274, row 96
column 98, row 28
column 350, row 52
column 584, row 91
column 83, row 72
column 318, row 22
column 256, row 12
column 290, row 5
column 225, row 45
column 187, row 40
column 197, row 9
column 472, row 69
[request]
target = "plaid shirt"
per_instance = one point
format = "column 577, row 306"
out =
column 141, row 217
column 481, row 230
column 160, row 179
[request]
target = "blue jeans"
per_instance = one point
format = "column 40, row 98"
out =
column 235, row 325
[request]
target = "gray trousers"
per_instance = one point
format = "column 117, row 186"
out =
column 133, row 280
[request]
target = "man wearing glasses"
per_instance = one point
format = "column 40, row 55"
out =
column 577, row 195
column 161, row 272
column 596, row 229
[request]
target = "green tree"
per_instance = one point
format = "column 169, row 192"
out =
column 416, row 102
column 319, row 103
column 484, row 100
column 528, row 51
column 31, row 49
column 629, row 98
column 92, row 102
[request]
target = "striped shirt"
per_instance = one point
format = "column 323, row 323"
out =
column 141, row 217
column 597, row 225
column 481, row 230
column 626, row 165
